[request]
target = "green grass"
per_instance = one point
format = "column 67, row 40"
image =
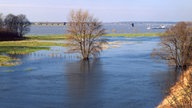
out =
column 22, row 47
column 28, row 69
column 25, row 47
column 36, row 43
column 47, row 37
column 29, row 43
column 64, row 37
column 4, row 58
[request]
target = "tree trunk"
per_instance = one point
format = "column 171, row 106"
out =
column 86, row 58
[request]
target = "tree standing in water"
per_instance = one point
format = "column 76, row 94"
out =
column 176, row 45
column 85, row 33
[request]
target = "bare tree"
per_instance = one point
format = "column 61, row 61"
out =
column 85, row 34
column 176, row 45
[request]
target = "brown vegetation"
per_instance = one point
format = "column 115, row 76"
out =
column 181, row 93
column 85, row 32
column 176, row 46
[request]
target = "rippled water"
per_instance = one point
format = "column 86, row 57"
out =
column 123, row 77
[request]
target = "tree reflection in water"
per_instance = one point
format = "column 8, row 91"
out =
column 84, row 80
column 166, row 79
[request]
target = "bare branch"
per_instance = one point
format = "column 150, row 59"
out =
column 85, row 31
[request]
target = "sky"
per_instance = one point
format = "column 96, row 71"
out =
column 104, row 10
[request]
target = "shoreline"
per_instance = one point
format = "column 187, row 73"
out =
column 64, row 36
column 43, row 42
column 180, row 93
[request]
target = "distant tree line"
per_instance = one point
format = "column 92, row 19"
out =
column 13, row 27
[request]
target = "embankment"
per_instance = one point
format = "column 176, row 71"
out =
column 181, row 93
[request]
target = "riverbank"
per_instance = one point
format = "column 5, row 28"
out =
column 25, row 46
column 52, row 76
column 180, row 95
column 63, row 37
column 36, row 43
column 8, row 48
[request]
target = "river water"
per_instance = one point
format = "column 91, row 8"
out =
column 126, row 27
column 124, row 76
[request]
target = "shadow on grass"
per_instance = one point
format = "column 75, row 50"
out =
column 9, row 36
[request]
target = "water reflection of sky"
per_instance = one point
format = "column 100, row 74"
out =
column 122, row 77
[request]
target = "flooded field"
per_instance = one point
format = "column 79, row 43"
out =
column 124, row 76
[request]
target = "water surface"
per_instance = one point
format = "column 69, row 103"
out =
column 139, row 27
column 123, row 77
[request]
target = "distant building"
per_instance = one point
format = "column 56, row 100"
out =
column 132, row 24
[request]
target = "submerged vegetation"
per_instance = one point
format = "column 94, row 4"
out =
column 43, row 42
column 20, row 48
column 64, row 37
column 8, row 61
column 28, row 43
column 25, row 47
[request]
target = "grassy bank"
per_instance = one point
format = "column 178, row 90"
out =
column 25, row 47
column 21, row 47
column 63, row 37
column 47, row 37
column 36, row 43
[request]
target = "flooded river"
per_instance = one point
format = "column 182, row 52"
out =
column 124, row 76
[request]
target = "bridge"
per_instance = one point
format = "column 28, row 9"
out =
column 49, row 23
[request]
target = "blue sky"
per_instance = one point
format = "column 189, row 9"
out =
column 105, row 10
